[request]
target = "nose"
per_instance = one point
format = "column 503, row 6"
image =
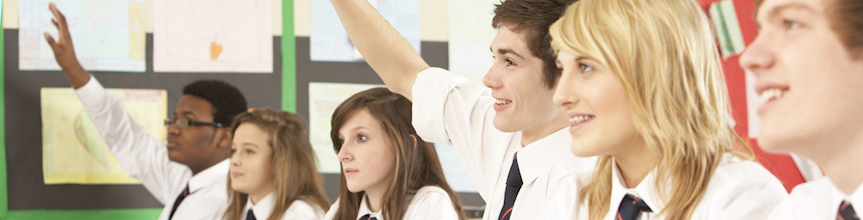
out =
column 758, row 56
column 492, row 77
column 173, row 129
column 344, row 154
column 235, row 158
column 564, row 94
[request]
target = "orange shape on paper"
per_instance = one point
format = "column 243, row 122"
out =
column 215, row 50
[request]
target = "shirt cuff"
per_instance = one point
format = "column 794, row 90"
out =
column 431, row 92
column 91, row 93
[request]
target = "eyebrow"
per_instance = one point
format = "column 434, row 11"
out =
column 248, row 144
column 506, row 51
column 355, row 129
column 188, row 114
column 784, row 7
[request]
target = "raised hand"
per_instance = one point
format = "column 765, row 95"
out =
column 64, row 52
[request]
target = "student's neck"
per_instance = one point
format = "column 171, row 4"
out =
column 542, row 130
column 842, row 166
column 375, row 197
column 258, row 196
column 635, row 165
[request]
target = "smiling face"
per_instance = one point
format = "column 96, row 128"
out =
column 251, row 168
column 516, row 80
column 807, row 79
column 595, row 101
column 367, row 154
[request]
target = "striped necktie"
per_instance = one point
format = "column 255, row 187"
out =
column 179, row 200
column 631, row 207
column 513, row 185
column 846, row 212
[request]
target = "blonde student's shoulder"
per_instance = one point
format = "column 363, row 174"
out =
column 431, row 202
column 301, row 209
column 740, row 189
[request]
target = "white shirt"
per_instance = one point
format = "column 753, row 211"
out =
column 145, row 158
column 447, row 108
column 819, row 199
column 737, row 190
column 429, row 203
column 299, row 209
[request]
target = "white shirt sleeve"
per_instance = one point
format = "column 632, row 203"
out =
column 447, row 108
column 431, row 203
column 142, row 156
column 753, row 196
column 302, row 210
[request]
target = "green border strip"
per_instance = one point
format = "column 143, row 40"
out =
column 289, row 58
column 102, row 214
column 289, row 103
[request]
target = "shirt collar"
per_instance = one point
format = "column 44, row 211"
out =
column 209, row 176
column 538, row 157
column 646, row 190
column 837, row 196
column 263, row 208
column 364, row 209
column 856, row 198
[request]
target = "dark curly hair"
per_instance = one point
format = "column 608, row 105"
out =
column 226, row 99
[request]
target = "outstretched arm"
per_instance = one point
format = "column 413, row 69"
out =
column 390, row 55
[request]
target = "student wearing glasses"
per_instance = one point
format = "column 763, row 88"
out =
column 188, row 173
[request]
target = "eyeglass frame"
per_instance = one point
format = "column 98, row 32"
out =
column 190, row 123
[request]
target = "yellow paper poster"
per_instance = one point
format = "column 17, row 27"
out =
column 72, row 149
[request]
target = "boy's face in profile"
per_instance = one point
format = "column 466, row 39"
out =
column 809, row 82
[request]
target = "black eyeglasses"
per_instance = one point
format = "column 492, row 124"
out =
column 185, row 123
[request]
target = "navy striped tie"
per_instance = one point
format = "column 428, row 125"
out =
column 250, row 215
column 631, row 207
column 179, row 200
column 513, row 185
column 846, row 212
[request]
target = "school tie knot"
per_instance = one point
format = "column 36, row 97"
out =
column 631, row 207
column 368, row 217
column 846, row 212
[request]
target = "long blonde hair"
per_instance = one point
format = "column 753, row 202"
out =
column 416, row 163
column 665, row 55
column 294, row 173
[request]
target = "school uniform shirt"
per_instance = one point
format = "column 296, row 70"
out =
column 447, row 108
column 146, row 158
column 429, row 203
column 299, row 209
column 737, row 190
column 819, row 199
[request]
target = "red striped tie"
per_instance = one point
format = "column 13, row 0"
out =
column 179, row 200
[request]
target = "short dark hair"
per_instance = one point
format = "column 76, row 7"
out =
column 533, row 18
column 226, row 99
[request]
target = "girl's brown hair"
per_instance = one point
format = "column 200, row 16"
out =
column 295, row 175
column 416, row 163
